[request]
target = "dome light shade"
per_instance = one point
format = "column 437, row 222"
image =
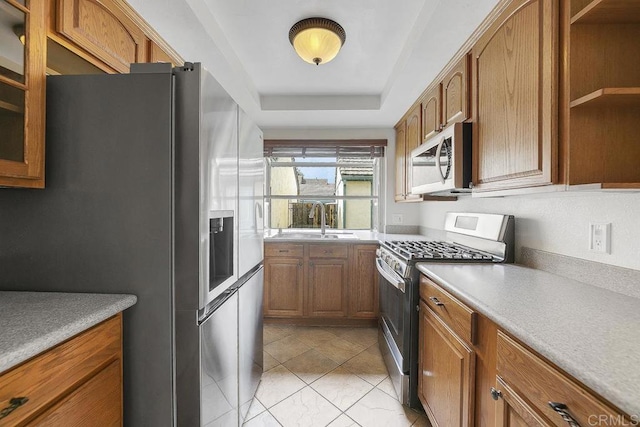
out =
column 317, row 40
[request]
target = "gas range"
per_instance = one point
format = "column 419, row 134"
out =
column 468, row 238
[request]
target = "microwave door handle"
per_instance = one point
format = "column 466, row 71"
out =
column 438, row 151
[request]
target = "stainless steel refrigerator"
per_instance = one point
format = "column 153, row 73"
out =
column 149, row 177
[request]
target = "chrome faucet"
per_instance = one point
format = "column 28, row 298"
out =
column 323, row 222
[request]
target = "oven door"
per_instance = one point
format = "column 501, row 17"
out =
column 395, row 305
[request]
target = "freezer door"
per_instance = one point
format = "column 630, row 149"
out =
column 219, row 365
column 251, row 191
column 250, row 343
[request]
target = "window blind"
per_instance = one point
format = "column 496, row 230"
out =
column 368, row 148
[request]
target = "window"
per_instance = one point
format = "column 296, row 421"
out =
column 345, row 178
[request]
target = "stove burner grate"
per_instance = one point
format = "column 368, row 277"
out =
column 435, row 250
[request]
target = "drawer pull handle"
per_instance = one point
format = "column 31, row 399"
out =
column 299, row 263
column 283, row 251
column 495, row 394
column 563, row 411
column 436, row 301
column 328, row 251
column 14, row 404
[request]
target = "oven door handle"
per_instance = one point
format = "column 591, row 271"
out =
column 392, row 278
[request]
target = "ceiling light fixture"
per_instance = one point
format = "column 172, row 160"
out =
column 18, row 30
column 317, row 40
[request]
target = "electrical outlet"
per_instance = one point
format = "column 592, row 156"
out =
column 600, row 237
column 396, row 218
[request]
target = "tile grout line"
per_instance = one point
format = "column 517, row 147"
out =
column 365, row 348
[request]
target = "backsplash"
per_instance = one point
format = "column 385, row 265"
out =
column 558, row 223
column 617, row 279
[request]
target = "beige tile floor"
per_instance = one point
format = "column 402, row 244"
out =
column 326, row 376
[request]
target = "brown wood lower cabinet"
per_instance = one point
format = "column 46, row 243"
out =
column 283, row 296
column 493, row 380
column 447, row 365
column 77, row 383
column 363, row 282
column 328, row 287
column 447, row 361
column 531, row 389
column 321, row 281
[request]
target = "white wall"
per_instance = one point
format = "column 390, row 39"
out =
column 410, row 212
column 559, row 223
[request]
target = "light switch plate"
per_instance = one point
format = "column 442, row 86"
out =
column 600, row 237
column 396, row 219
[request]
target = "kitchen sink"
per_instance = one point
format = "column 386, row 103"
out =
column 314, row 236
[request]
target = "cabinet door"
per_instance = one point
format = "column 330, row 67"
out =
column 22, row 93
column 328, row 287
column 157, row 54
column 401, row 165
column 431, row 113
column 447, row 372
column 363, row 282
column 104, row 30
column 455, row 95
column 515, row 76
column 96, row 402
column 283, row 287
column 414, row 125
column 414, row 139
column 513, row 411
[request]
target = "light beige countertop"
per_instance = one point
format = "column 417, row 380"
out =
column 591, row 333
column 350, row 236
column 33, row 322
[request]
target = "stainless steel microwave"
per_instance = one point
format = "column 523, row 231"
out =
column 442, row 165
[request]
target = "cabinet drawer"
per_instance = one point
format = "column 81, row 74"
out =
column 328, row 251
column 47, row 378
column 283, row 250
column 539, row 383
column 460, row 318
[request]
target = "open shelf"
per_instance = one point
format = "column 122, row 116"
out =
column 609, row 96
column 608, row 11
column 11, row 107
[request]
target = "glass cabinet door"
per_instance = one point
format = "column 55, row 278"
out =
column 22, row 86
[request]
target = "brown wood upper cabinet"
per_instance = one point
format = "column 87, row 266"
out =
column 22, row 95
column 320, row 280
column 104, row 30
column 432, row 112
column 408, row 137
column 515, row 73
column 455, row 94
column 446, row 102
column 400, row 160
column 602, row 103
column 157, row 54
column 108, row 34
